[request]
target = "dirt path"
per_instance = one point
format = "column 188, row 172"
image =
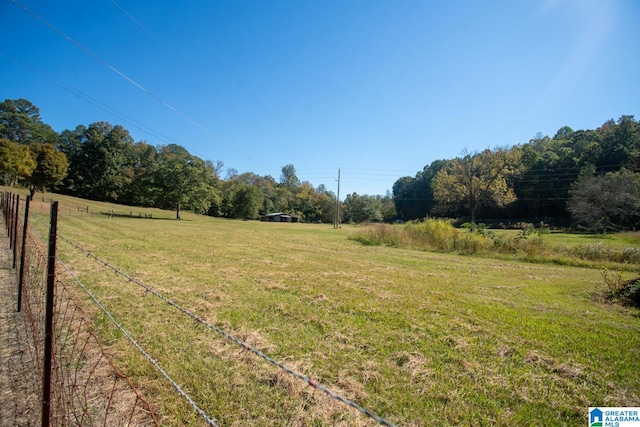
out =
column 19, row 404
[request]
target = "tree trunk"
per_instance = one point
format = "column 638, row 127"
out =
column 178, row 211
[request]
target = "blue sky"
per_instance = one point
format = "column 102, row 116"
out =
column 376, row 88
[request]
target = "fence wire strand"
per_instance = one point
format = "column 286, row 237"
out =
column 211, row 421
column 245, row 346
column 87, row 389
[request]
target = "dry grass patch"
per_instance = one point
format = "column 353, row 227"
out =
column 411, row 335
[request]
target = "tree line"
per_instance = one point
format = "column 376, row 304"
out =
column 588, row 177
column 102, row 162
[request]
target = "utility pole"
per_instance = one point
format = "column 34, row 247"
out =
column 336, row 222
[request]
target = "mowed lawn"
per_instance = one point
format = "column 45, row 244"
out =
column 420, row 338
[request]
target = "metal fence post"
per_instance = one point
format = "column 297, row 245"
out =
column 23, row 252
column 10, row 220
column 15, row 232
column 48, row 328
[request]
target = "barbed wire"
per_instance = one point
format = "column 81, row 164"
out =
column 84, row 386
column 211, row 421
column 246, row 347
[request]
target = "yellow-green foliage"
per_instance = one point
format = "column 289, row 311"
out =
column 436, row 234
column 441, row 235
column 381, row 234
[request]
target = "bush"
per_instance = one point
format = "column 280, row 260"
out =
column 435, row 233
column 623, row 291
column 473, row 243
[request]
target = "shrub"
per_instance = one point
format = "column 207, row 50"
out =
column 473, row 243
column 624, row 291
column 601, row 252
column 435, row 233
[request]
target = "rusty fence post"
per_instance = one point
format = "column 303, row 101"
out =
column 15, row 232
column 48, row 328
column 3, row 201
column 23, row 252
column 10, row 220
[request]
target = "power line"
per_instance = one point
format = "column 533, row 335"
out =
column 132, row 81
column 226, row 69
column 143, row 28
column 246, row 90
column 89, row 99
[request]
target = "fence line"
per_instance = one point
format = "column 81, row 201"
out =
column 245, row 346
column 86, row 387
column 210, row 420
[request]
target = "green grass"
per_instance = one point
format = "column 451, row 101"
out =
column 530, row 245
column 419, row 337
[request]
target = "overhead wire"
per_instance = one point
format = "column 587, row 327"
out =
column 87, row 98
column 244, row 88
column 350, row 174
column 133, row 82
column 226, row 69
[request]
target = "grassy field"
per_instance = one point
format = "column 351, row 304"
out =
column 419, row 337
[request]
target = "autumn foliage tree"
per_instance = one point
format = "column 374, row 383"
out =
column 51, row 167
column 476, row 180
column 15, row 161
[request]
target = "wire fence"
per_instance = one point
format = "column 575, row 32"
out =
column 244, row 345
column 77, row 382
column 41, row 205
column 73, row 339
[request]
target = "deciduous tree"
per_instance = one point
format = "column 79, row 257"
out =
column 101, row 161
column 288, row 178
column 358, row 209
column 16, row 161
column 247, row 202
column 606, row 202
column 183, row 180
column 413, row 197
column 51, row 167
column 476, row 180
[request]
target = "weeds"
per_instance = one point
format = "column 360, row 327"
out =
column 619, row 290
column 477, row 239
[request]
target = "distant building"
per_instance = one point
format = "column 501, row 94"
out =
column 278, row 217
